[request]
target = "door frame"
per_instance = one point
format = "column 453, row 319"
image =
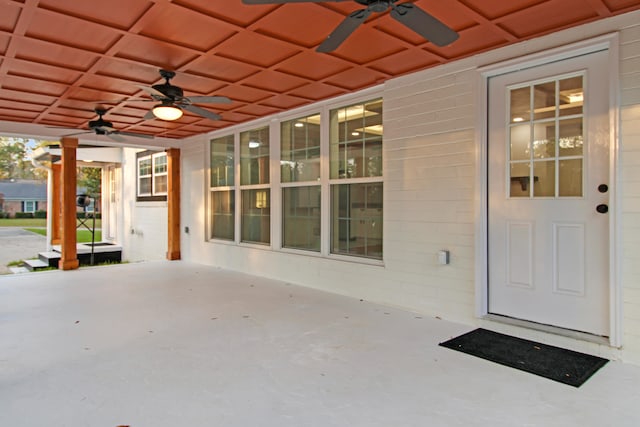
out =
column 609, row 42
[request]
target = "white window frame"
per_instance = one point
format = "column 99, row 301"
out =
column 147, row 196
column 276, row 186
column 155, row 174
column 32, row 203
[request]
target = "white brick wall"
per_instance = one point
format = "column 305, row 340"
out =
column 430, row 170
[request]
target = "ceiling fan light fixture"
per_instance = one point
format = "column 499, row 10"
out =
column 167, row 112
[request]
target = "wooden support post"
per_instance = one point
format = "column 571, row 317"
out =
column 69, row 255
column 173, row 203
column 55, row 208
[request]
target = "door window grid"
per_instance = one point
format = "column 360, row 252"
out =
column 546, row 138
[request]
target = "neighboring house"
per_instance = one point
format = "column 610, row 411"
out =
column 20, row 195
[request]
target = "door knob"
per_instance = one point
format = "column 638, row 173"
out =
column 602, row 208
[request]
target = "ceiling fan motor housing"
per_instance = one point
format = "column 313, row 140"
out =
column 171, row 91
column 377, row 5
column 98, row 125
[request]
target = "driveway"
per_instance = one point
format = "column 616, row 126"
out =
column 18, row 244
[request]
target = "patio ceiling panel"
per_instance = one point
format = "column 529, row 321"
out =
column 60, row 58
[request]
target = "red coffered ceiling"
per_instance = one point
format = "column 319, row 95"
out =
column 59, row 57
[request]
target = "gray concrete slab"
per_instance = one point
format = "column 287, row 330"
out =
column 168, row 344
column 18, row 244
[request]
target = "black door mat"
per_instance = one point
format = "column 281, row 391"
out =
column 558, row 364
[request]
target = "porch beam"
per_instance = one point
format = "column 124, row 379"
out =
column 69, row 255
column 173, row 203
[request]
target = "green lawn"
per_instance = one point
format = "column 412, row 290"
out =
column 82, row 235
column 35, row 222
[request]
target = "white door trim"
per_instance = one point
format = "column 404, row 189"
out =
column 608, row 42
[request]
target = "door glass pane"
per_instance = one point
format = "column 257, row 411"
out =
column 544, row 178
column 256, row 216
column 519, row 180
column 222, row 214
column 301, row 218
column 544, row 100
column 571, row 96
column 570, row 177
column 520, row 101
column 520, row 137
column 571, row 140
column 544, row 140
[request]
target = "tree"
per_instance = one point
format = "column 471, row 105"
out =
column 14, row 159
column 91, row 179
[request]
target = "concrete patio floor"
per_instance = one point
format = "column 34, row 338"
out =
column 164, row 344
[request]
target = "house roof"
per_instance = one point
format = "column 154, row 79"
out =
column 23, row 190
column 59, row 58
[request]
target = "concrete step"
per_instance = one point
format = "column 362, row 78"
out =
column 35, row 264
column 51, row 258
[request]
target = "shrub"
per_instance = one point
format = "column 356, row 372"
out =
column 4, row 215
column 40, row 214
column 24, row 215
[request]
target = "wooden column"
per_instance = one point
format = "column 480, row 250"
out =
column 69, row 255
column 54, row 209
column 173, row 203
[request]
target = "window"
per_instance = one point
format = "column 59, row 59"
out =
column 255, row 191
column 300, row 175
column 29, row 206
column 322, row 183
column 546, row 138
column 160, row 175
column 222, row 182
column 355, row 146
column 152, row 176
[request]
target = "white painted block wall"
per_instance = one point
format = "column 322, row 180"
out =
column 430, row 170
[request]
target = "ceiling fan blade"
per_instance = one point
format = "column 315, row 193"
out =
column 136, row 135
column 77, row 133
column 114, row 136
column 287, row 1
column 149, row 115
column 209, row 99
column 344, row 30
column 424, row 24
column 201, row 112
column 151, row 91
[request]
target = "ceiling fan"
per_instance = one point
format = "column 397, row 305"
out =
column 407, row 14
column 103, row 127
column 172, row 100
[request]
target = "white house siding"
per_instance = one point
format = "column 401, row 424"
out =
column 630, row 188
column 144, row 234
column 431, row 168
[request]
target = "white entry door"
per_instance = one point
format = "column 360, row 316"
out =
column 548, row 190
